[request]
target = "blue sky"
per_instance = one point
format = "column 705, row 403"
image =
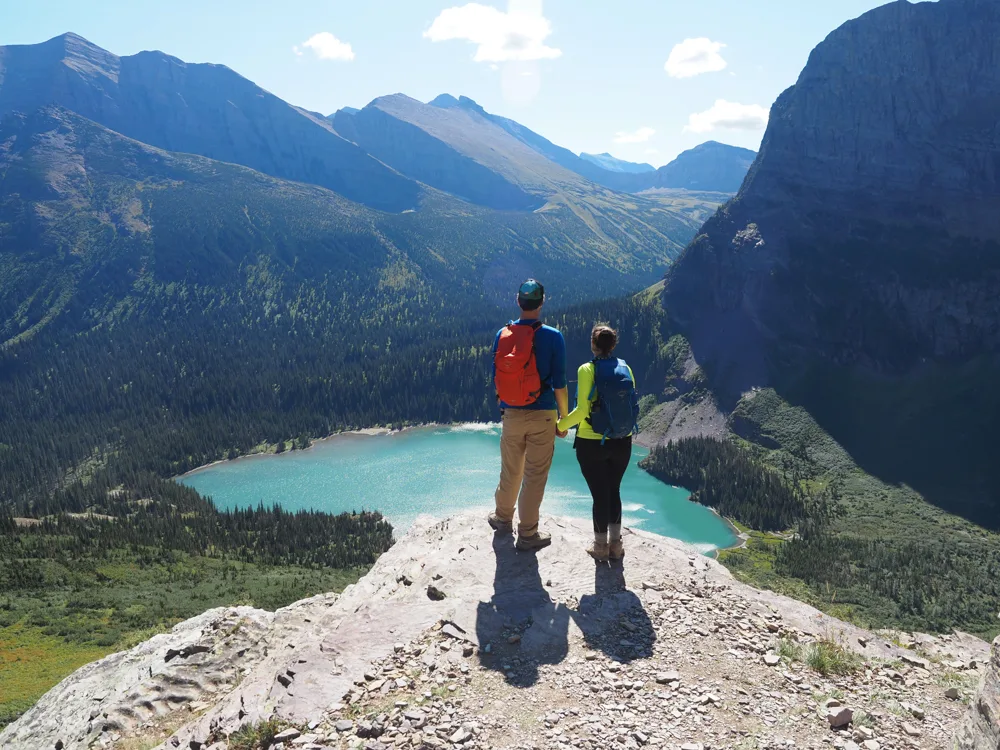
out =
column 642, row 79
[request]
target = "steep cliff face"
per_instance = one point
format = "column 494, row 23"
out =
column 201, row 109
column 981, row 729
column 867, row 229
column 857, row 271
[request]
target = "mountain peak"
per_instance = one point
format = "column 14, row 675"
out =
column 69, row 38
column 444, row 101
column 468, row 103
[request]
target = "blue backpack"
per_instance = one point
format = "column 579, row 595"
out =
column 615, row 413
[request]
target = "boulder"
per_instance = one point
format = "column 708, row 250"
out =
column 981, row 728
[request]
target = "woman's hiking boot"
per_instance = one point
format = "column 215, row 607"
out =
column 538, row 541
column 499, row 525
column 599, row 551
column 616, row 550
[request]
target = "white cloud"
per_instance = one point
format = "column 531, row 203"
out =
column 725, row 115
column 326, row 47
column 693, row 57
column 516, row 35
column 638, row 136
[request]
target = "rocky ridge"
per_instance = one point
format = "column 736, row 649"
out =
column 456, row 640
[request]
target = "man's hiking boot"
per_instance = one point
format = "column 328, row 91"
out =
column 541, row 540
column 599, row 551
column 616, row 550
column 499, row 525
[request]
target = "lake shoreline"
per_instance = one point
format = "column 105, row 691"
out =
column 270, row 450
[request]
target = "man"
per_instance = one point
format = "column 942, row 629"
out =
column 529, row 374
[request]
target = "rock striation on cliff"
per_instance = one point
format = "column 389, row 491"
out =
column 456, row 639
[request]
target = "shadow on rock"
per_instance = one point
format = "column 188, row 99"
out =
column 612, row 619
column 520, row 625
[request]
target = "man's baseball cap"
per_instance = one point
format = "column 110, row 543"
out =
column 532, row 293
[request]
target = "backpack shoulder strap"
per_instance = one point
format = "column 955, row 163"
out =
column 593, row 388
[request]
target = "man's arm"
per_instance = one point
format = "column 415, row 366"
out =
column 562, row 400
column 559, row 385
column 493, row 365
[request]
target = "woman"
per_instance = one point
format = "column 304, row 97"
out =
column 605, row 423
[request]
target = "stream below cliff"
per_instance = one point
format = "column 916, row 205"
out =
column 440, row 471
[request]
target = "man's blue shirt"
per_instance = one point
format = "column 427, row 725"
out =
column 550, row 356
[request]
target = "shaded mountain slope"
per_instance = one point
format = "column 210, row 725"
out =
column 196, row 108
column 610, row 163
column 858, row 269
column 457, row 147
column 465, row 129
column 711, row 166
column 77, row 198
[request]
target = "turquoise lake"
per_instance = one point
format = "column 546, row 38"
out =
column 441, row 471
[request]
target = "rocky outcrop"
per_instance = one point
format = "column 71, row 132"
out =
column 981, row 729
column 455, row 638
column 867, row 229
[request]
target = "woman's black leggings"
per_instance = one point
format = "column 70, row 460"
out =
column 603, row 467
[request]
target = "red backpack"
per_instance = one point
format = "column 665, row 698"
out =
column 517, row 380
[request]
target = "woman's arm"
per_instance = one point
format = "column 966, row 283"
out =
column 584, row 384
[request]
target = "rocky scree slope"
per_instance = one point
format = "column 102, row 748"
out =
column 455, row 639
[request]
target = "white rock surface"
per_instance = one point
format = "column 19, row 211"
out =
column 981, row 728
column 666, row 607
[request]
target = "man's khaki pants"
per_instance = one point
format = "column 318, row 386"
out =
column 527, row 443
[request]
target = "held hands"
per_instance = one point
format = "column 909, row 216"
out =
column 561, row 433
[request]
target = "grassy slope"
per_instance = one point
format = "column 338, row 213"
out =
column 87, row 610
column 607, row 213
column 892, row 516
column 88, row 216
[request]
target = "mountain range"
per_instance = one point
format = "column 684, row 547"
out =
column 445, row 169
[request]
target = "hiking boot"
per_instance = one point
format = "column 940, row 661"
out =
column 599, row 551
column 616, row 550
column 541, row 540
column 499, row 525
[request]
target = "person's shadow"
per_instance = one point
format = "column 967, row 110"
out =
column 612, row 619
column 522, row 627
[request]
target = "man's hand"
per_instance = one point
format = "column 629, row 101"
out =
column 561, row 433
